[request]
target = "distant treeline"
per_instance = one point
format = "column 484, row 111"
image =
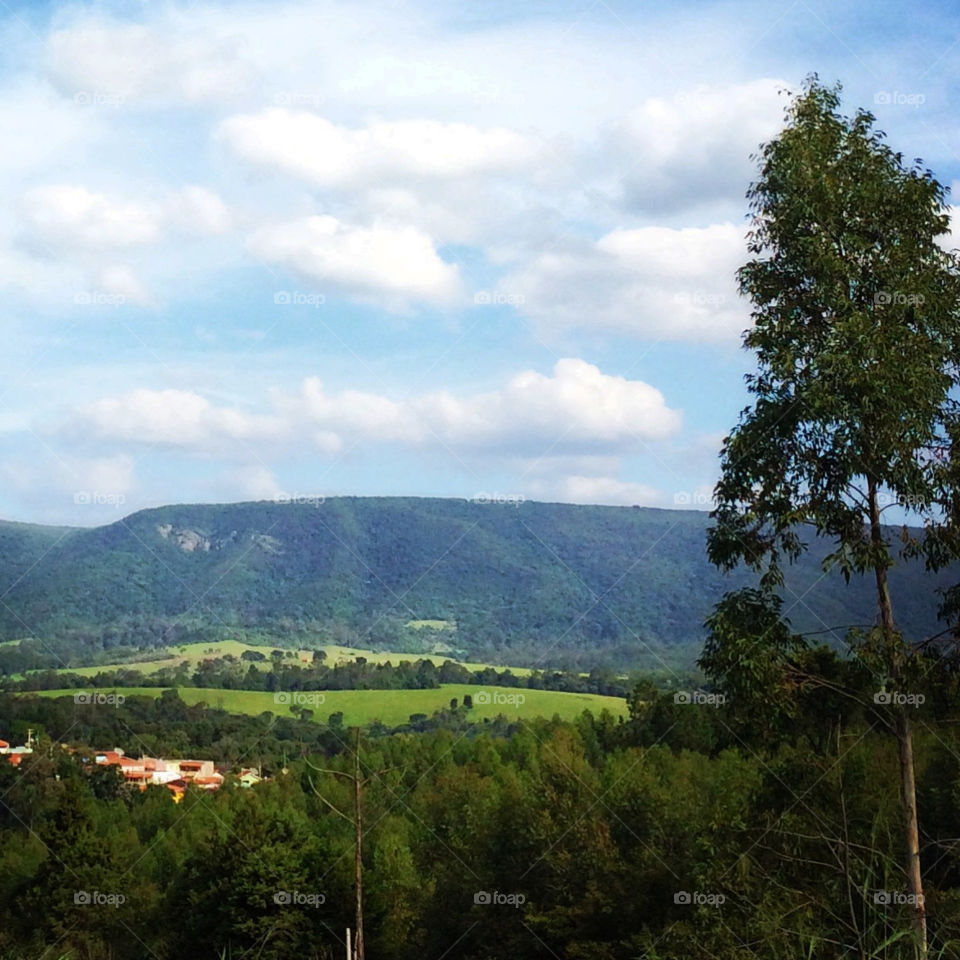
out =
column 166, row 726
column 231, row 673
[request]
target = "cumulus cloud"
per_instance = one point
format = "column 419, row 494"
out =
column 173, row 418
column 603, row 490
column 136, row 62
column 85, row 238
column 71, row 216
column 576, row 410
column 254, row 483
column 385, row 264
column 694, row 146
column 311, row 147
column 68, row 215
column 654, row 282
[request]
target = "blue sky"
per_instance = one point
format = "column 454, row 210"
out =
column 252, row 251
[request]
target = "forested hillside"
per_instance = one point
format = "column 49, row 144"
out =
column 529, row 582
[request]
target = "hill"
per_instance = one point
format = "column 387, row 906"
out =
column 537, row 583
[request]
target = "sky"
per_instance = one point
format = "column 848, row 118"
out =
column 254, row 251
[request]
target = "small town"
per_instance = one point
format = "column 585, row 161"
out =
column 175, row 775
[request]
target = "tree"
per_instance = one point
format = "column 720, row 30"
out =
column 857, row 342
column 359, row 784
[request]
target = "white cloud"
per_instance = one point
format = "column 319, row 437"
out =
column 134, row 62
column 71, row 216
column 603, row 490
column 43, row 128
column 75, row 234
column 64, row 215
column 385, row 264
column 254, row 483
column 311, row 147
column 653, row 282
column 110, row 474
column 198, row 210
column 576, row 410
column 694, row 146
column 173, row 418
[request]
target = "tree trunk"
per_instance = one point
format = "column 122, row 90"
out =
column 358, row 852
column 908, row 787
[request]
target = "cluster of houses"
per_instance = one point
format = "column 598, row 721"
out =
column 14, row 755
column 175, row 775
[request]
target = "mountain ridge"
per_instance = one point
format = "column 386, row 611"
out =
column 589, row 583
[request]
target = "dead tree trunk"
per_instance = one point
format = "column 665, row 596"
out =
column 908, row 788
column 356, row 821
column 358, row 850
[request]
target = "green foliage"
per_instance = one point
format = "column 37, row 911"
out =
column 598, row 825
column 857, row 341
column 856, row 311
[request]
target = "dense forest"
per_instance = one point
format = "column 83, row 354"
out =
column 688, row 831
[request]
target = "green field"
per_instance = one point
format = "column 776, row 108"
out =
column 191, row 653
column 392, row 707
column 194, row 653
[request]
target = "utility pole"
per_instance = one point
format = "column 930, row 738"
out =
column 356, row 821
